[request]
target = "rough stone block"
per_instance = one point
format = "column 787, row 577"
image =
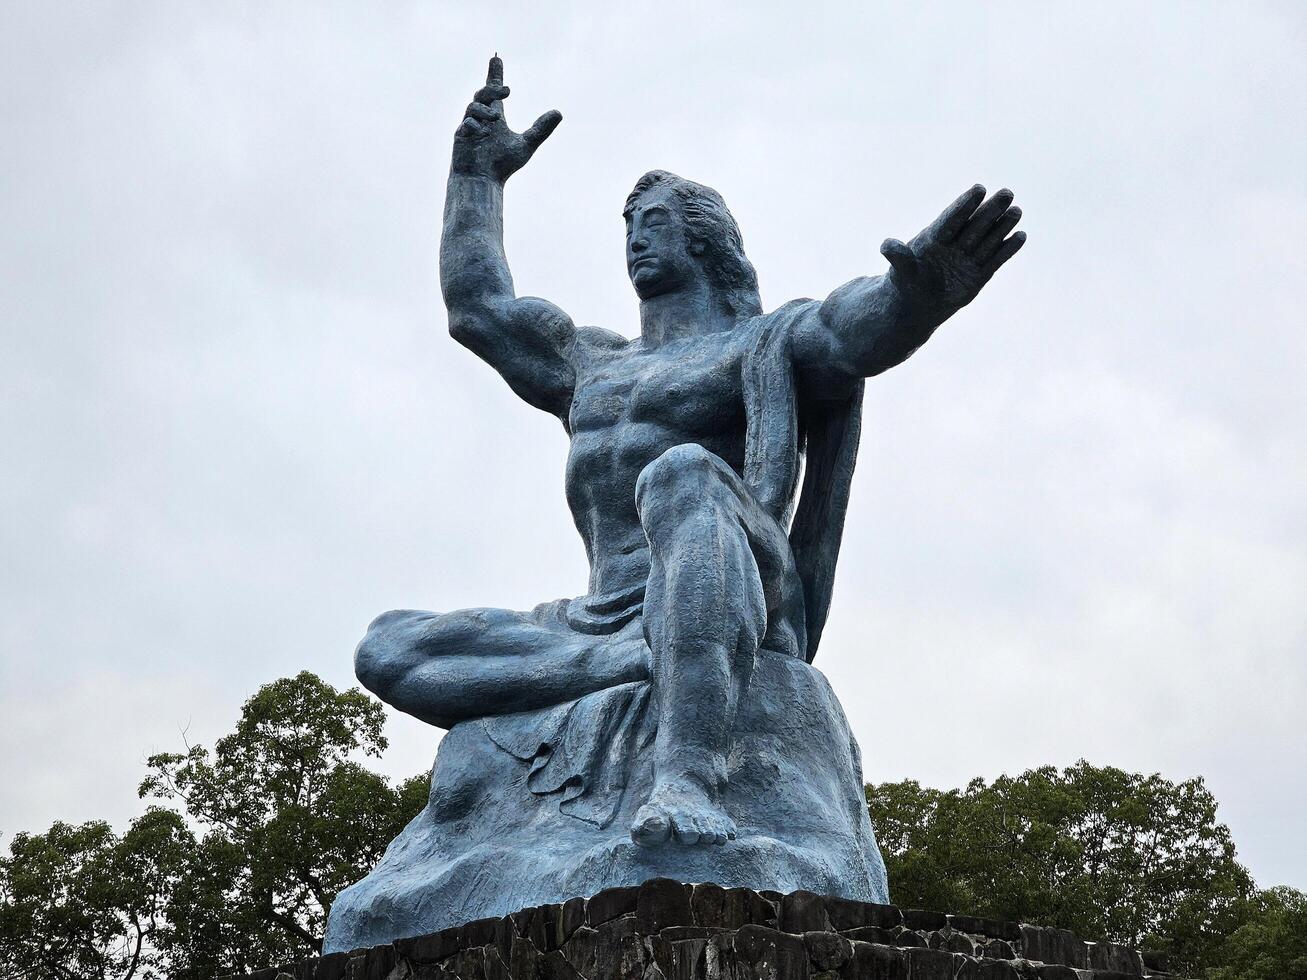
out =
column 1112, row 957
column 992, row 928
column 973, row 969
column 554, row 966
column 845, row 914
column 680, row 959
column 932, row 964
column 827, row 950
column 706, row 901
column 662, row 902
column 494, row 965
column 910, row 938
column 871, row 962
column 480, row 932
column 1053, row 946
column 610, row 903
column 772, row 953
column 581, row 950
column 743, row 906
column 802, row 911
column 676, row 934
column 873, row 934
column 951, row 941
column 331, row 967
column 998, row 949
column 923, row 920
column 429, row 949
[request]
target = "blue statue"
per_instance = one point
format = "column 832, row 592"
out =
column 666, row 723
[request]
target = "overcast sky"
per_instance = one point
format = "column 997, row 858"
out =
column 235, row 429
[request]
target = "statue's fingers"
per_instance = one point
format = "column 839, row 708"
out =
column 495, row 73
column 953, row 217
column 469, row 128
column 1009, row 248
column 489, row 94
column 484, row 113
column 997, row 232
column 539, row 130
column 979, row 224
column 900, row 257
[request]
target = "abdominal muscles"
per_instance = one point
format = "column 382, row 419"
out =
column 603, row 466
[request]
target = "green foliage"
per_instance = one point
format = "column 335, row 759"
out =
column 278, row 818
column 78, row 901
column 1272, row 942
column 289, row 819
column 1108, row 854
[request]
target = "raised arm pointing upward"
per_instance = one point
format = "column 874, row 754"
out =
column 525, row 339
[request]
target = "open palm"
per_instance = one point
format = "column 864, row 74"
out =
column 949, row 261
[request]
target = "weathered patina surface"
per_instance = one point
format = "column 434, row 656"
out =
column 668, row 721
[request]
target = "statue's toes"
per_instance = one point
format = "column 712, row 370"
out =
column 697, row 827
column 688, row 833
column 723, row 829
column 652, row 826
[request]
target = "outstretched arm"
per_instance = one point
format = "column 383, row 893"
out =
column 527, row 340
column 871, row 324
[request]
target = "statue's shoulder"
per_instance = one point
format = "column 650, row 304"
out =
column 764, row 326
column 601, row 339
column 594, row 344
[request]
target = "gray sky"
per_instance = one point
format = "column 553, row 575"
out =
column 235, row 429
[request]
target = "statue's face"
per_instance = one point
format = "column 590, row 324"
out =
column 659, row 258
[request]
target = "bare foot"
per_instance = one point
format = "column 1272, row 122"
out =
column 684, row 810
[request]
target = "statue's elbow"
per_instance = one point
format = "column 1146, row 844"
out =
column 461, row 327
column 473, row 326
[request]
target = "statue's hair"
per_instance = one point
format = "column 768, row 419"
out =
column 709, row 225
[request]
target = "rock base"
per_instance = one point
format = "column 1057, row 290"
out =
column 666, row 930
column 501, row 832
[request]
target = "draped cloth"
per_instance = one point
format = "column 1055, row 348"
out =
column 585, row 750
column 786, row 434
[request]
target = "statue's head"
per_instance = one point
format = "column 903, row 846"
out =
column 678, row 231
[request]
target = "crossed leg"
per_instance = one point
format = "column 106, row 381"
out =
column 449, row 667
column 722, row 569
column 722, row 583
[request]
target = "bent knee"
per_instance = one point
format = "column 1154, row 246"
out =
column 372, row 666
column 383, row 653
column 681, row 475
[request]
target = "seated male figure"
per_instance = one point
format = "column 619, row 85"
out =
column 682, row 499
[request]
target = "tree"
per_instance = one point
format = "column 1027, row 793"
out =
column 1272, row 942
column 289, row 819
column 1108, row 854
column 78, row 901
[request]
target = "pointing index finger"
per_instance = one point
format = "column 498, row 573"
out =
column 495, row 73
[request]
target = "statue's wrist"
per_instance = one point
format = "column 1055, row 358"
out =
column 918, row 299
column 475, row 173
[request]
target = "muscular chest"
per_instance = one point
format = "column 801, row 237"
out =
column 690, row 387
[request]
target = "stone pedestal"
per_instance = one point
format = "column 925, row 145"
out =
column 664, row 929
